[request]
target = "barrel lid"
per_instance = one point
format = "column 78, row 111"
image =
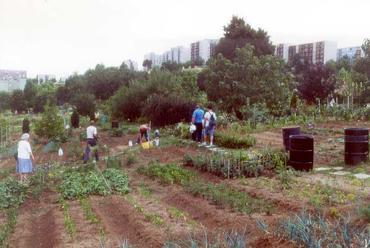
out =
column 301, row 136
column 356, row 129
column 291, row 127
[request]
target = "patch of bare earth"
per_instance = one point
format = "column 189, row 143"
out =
column 39, row 224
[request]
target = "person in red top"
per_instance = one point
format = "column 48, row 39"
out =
column 143, row 133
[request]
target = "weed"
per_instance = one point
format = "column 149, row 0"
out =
column 145, row 190
column 176, row 213
column 131, row 159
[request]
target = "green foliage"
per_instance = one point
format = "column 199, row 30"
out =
column 365, row 212
column 236, row 164
column 17, row 102
column 309, row 230
column 69, row 224
column 79, row 184
column 50, row 125
column 230, row 139
column 85, row 104
column 182, row 130
column 12, row 193
column 113, row 162
column 75, row 119
column 25, row 126
column 246, row 79
column 4, row 101
column 223, row 195
column 167, row 174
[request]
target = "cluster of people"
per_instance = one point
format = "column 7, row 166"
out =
column 205, row 124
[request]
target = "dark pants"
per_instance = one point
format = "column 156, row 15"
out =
column 92, row 143
column 198, row 132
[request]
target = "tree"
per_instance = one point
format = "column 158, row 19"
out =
column 147, row 64
column 50, row 125
column 75, row 119
column 171, row 66
column 237, row 34
column 63, row 95
column 4, row 101
column 17, row 101
column 260, row 79
column 344, row 62
column 317, row 82
column 30, row 93
column 85, row 104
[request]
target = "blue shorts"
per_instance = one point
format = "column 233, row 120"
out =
column 210, row 131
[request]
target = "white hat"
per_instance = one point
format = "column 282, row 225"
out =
column 25, row 136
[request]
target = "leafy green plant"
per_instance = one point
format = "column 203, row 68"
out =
column 12, row 193
column 69, row 224
column 113, row 162
column 167, row 174
column 117, row 179
column 50, row 125
column 233, row 140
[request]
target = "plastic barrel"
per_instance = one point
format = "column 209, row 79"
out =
column 301, row 152
column 287, row 131
column 356, row 145
column 115, row 124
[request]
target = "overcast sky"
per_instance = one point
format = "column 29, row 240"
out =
column 66, row 36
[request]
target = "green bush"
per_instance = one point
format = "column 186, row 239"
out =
column 85, row 104
column 182, row 130
column 365, row 212
column 25, row 126
column 75, row 119
column 50, row 125
column 234, row 140
column 12, row 193
column 167, row 110
column 167, row 174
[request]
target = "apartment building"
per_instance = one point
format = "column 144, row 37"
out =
column 315, row 52
column 203, row 49
column 351, row 52
column 43, row 78
column 11, row 80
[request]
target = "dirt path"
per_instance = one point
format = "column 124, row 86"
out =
column 39, row 224
column 121, row 221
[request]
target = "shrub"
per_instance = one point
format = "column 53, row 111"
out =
column 167, row 174
column 234, row 140
column 167, row 110
column 365, row 212
column 85, row 104
column 75, row 119
column 25, row 126
column 12, row 193
column 182, row 130
column 50, row 125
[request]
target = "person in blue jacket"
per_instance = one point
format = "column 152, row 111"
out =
column 197, row 120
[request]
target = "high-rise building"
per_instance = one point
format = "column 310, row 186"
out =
column 180, row 54
column 43, row 78
column 351, row 52
column 11, row 80
column 316, row 52
column 203, row 49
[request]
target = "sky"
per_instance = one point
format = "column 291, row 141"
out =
column 63, row 37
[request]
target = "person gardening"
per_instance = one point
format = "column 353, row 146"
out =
column 92, row 140
column 197, row 120
column 24, row 163
column 209, row 125
column 143, row 133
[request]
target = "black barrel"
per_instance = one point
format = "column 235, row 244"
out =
column 356, row 145
column 287, row 131
column 115, row 124
column 301, row 152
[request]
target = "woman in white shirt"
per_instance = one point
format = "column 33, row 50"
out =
column 24, row 164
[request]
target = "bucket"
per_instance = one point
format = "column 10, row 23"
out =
column 145, row 145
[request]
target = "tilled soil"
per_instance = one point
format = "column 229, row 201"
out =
column 39, row 224
column 121, row 221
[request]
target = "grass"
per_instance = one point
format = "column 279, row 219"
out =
column 144, row 190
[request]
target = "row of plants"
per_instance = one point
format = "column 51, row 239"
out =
column 312, row 230
column 236, row 164
column 219, row 194
column 76, row 184
column 12, row 193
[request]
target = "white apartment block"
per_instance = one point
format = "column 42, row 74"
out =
column 351, row 52
column 11, row 80
column 132, row 65
column 202, row 49
column 178, row 55
column 315, row 52
column 43, row 78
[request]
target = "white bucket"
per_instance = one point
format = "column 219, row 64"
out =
column 130, row 143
